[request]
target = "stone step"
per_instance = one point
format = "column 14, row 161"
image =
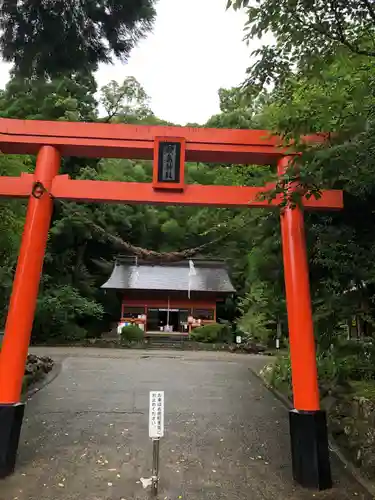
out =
column 165, row 346
column 166, row 342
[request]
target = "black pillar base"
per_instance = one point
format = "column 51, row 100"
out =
column 10, row 427
column 310, row 452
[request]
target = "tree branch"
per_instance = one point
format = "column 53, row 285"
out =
column 151, row 255
column 143, row 253
column 340, row 37
column 115, row 108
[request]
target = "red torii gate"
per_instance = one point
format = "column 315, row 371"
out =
column 169, row 147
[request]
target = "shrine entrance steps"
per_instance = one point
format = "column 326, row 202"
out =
column 157, row 341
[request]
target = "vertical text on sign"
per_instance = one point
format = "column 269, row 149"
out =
column 169, row 162
column 156, row 415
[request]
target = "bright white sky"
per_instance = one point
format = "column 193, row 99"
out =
column 196, row 48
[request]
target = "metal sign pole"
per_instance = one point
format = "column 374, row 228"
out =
column 155, row 466
column 156, row 431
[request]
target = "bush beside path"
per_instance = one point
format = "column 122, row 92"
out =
column 347, row 389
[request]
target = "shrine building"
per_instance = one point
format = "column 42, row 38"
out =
column 169, row 297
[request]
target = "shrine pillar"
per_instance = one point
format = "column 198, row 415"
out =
column 22, row 306
column 308, row 427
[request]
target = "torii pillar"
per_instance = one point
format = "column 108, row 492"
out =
column 308, row 426
column 22, row 308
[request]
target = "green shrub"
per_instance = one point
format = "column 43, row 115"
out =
column 280, row 376
column 331, row 371
column 61, row 313
column 345, row 362
column 131, row 333
column 353, row 360
column 211, row 333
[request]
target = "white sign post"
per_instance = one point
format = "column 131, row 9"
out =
column 156, row 431
column 156, row 415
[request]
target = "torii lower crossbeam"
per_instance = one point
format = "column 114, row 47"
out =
column 51, row 140
column 135, row 193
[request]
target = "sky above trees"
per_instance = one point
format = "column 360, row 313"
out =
column 196, row 48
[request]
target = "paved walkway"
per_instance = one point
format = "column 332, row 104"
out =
column 85, row 436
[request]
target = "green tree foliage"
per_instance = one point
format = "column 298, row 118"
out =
column 321, row 68
column 126, row 103
column 306, row 34
column 11, row 217
column 64, row 98
column 52, row 37
column 237, row 111
column 61, row 312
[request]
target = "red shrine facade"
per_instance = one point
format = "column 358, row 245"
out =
column 169, row 297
